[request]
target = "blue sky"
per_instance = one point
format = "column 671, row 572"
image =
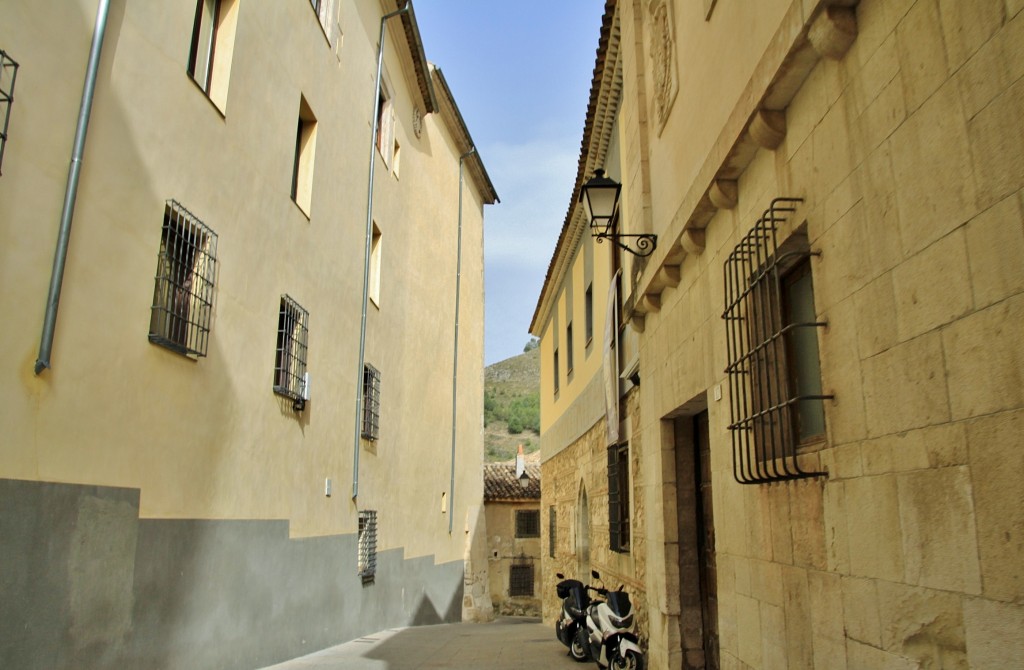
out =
column 520, row 73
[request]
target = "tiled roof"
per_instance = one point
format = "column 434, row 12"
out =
column 500, row 482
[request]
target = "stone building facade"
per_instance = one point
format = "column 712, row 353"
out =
column 830, row 392
column 208, row 462
column 513, row 516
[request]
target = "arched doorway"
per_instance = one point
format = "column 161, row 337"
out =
column 583, row 534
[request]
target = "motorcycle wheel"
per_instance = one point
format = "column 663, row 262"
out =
column 631, row 661
column 578, row 649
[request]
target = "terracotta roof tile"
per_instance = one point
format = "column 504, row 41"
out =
column 500, row 482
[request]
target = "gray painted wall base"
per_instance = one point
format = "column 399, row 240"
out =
column 85, row 583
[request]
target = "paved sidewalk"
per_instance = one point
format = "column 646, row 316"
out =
column 506, row 644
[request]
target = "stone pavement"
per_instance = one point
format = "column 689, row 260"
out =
column 510, row 643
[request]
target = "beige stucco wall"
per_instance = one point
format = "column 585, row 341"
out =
column 209, row 439
column 906, row 152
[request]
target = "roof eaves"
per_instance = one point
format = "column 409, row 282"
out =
column 419, row 58
column 457, row 124
column 588, row 130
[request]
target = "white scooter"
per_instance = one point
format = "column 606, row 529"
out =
column 571, row 625
column 610, row 624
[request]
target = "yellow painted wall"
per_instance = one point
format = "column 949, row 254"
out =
column 208, row 438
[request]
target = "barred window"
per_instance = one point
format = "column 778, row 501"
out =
column 774, row 370
column 290, row 355
column 8, row 73
column 552, row 528
column 371, row 402
column 367, row 561
column 520, row 580
column 618, row 497
column 185, row 274
column 528, row 523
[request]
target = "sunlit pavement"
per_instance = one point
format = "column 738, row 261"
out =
column 506, row 644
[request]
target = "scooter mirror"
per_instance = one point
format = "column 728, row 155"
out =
column 595, row 574
column 559, row 575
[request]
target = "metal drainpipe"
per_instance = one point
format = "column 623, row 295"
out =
column 366, row 257
column 70, row 193
column 455, row 362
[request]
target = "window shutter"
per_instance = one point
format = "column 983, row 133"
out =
column 388, row 133
column 614, row 514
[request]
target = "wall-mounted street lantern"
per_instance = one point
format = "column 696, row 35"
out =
column 600, row 198
column 524, row 480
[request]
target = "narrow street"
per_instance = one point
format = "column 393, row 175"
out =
column 506, row 644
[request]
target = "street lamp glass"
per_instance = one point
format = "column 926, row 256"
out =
column 600, row 196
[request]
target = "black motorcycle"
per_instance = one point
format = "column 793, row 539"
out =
column 571, row 626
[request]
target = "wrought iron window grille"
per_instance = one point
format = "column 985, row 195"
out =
column 185, row 276
column 371, row 402
column 290, row 354
column 552, row 530
column 765, row 402
column 8, row 73
column 618, row 497
column 520, row 579
column 367, row 560
column 528, row 523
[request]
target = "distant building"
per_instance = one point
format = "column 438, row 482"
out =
column 810, row 450
column 511, row 503
column 236, row 450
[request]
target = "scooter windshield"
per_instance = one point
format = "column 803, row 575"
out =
column 618, row 602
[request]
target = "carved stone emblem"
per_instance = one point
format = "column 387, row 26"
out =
column 664, row 83
column 417, row 121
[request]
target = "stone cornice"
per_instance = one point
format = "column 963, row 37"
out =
column 805, row 35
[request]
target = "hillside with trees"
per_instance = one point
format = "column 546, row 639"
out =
column 512, row 405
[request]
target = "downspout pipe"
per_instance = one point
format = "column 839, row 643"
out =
column 455, row 360
column 71, row 192
column 366, row 257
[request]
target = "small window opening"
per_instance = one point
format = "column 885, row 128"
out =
column 305, row 152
